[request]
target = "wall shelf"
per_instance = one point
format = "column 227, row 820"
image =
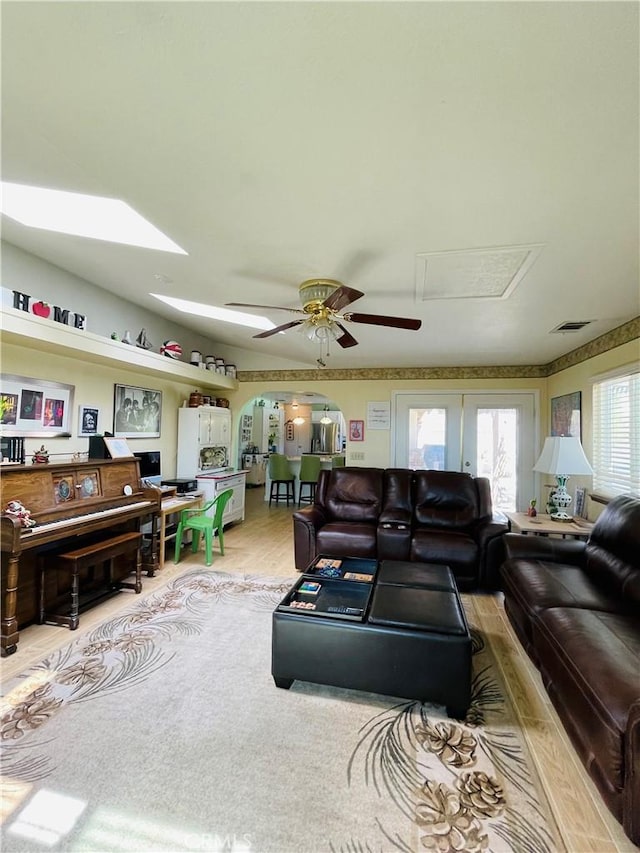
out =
column 38, row 333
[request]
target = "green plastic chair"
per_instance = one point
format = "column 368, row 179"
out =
column 280, row 474
column 199, row 521
column 309, row 473
column 338, row 462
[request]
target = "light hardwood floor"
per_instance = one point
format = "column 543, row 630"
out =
column 263, row 545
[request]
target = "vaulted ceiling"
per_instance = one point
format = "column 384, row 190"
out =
column 473, row 165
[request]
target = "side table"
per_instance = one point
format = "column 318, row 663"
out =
column 544, row 525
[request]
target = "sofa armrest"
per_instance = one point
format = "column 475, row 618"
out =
column 489, row 534
column 488, row 529
column 631, row 791
column 306, row 524
column 519, row 546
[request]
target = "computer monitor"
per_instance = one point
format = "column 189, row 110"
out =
column 150, row 465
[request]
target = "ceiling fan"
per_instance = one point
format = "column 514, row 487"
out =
column 322, row 301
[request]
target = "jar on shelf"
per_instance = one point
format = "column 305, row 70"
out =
column 195, row 399
column 230, row 370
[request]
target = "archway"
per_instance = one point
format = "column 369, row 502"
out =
column 287, row 422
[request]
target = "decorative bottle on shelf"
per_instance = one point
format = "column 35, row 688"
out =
column 195, row 399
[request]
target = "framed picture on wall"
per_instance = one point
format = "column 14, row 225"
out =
column 566, row 415
column 88, row 420
column 34, row 408
column 356, row 430
column 289, row 432
column 137, row 412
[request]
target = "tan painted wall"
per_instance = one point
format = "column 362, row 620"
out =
column 579, row 378
column 351, row 397
column 94, row 386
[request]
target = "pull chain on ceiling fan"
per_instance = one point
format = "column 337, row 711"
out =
column 322, row 301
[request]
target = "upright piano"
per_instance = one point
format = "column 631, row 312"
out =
column 71, row 503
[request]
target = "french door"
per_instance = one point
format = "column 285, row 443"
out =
column 487, row 435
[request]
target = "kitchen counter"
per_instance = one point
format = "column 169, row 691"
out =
column 214, row 482
column 324, row 457
column 222, row 475
column 326, row 462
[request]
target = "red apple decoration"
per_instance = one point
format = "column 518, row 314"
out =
column 41, row 309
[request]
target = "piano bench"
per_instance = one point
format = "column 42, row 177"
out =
column 97, row 553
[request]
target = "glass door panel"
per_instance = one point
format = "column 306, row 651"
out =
column 486, row 435
column 427, row 433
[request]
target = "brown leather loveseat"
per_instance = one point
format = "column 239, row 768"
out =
column 576, row 609
column 399, row 514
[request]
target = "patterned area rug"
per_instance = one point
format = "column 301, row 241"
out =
column 163, row 730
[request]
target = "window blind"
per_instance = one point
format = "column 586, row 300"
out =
column 616, row 434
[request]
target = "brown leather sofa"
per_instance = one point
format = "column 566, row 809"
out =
column 576, row 608
column 398, row 514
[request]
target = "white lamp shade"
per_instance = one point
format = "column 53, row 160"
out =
column 562, row 455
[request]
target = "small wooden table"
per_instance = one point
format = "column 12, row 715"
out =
column 170, row 506
column 544, row 525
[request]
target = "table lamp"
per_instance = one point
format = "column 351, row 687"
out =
column 562, row 456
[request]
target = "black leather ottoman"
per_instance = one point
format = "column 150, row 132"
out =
column 413, row 642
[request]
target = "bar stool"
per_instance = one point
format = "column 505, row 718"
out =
column 309, row 473
column 280, row 474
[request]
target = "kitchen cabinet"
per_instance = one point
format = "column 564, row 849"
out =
column 204, row 439
column 211, row 485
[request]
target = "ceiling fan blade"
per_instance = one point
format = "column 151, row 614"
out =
column 277, row 329
column 382, row 320
column 347, row 339
column 270, row 307
column 342, row 297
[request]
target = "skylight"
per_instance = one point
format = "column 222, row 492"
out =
column 202, row 310
column 91, row 216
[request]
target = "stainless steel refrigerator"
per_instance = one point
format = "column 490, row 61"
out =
column 324, row 437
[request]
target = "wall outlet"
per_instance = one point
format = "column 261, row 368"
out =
column 357, row 456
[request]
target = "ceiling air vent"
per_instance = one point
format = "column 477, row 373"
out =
column 571, row 326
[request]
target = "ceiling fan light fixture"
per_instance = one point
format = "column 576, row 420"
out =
column 320, row 329
column 314, row 291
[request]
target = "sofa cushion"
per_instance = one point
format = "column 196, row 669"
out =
column 445, row 499
column 354, row 494
column 449, row 547
column 351, row 539
column 589, row 664
column 531, row 585
column 537, row 585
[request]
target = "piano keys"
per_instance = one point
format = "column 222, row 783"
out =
column 71, row 503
